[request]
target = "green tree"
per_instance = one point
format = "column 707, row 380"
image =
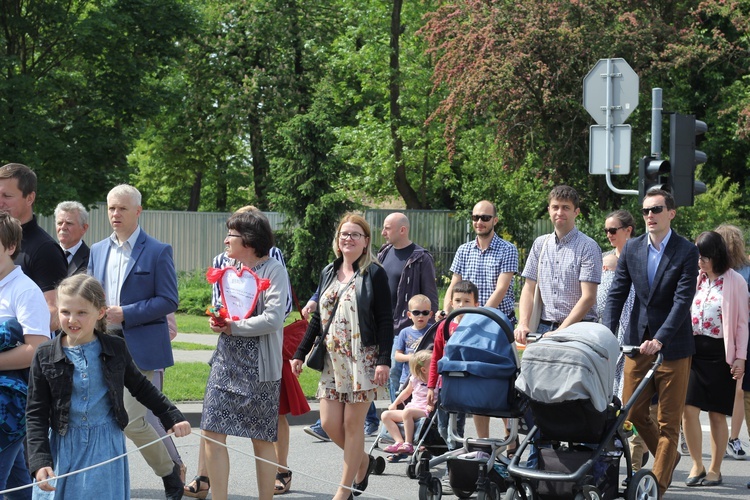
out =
column 78, row 78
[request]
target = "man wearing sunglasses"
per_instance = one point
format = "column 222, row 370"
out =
column 411, row 271
column 662, row 267
column 488, row 261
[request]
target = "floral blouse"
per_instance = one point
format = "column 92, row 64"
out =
column 706, row 308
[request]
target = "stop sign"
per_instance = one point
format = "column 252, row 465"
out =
column 624, row 96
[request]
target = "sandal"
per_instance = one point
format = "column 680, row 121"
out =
column 195, row 490
column 395, row 458
column 393, row 448
column 283, row 482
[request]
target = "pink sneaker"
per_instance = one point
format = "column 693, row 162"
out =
column 393, row 448
column 407, row 448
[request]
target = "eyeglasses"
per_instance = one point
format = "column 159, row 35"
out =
column 230, row 235
column 613, row 230
column 656, row 210
column 483, row 218
column 704, row 259
column 420, row 313
column 351, row 236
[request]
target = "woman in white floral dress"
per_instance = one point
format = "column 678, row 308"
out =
column 720, row 328
column 356, row 317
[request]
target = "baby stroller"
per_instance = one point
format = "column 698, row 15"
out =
column 479, row 370
column 578, row 429
column 426, row 436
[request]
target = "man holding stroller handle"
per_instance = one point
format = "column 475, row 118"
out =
column 662, row 267
column 566, row 264
column 490, row 263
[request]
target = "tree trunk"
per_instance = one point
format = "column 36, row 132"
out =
column 402, row 183
column 260, row 161
column 195, row 193
column 221, row 186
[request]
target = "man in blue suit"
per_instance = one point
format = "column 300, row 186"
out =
column 140, row 283
column 662, row 267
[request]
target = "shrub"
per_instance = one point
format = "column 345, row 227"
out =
column 195, row 292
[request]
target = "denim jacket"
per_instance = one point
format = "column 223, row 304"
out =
column 373, row 309
column 51, row 387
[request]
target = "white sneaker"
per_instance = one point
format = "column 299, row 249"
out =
column 734, row 448
column 683, row 446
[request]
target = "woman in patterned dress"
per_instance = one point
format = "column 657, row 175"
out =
column 719, row 315
column 242, row 392
column 356, row 302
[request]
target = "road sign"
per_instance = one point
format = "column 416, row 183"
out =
column 620, row 146
column 624, row 97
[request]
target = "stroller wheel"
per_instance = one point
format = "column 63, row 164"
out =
column 379, row 466
column 513, row 494
column 589, row 493
column 494, row 493
column 411, row 471
column 642, row 486
column 433, row 491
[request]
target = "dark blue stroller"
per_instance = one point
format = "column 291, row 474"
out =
column 479, row 369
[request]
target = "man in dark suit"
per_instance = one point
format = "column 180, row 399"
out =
column 662, row 267
column 140, row 283
column 71, row 223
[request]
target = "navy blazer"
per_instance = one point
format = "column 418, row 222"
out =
column 147, row 296
column 80, row 261
column 664, row 307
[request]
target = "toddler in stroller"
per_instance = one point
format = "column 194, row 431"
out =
column 578, row 422
column 414, row 410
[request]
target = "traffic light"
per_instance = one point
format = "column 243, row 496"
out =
column 651, row 174
column 684, row 157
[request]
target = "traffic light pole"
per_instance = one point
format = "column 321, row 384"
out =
column 656, row 111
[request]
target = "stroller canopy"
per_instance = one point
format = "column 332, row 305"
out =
column 577, row 362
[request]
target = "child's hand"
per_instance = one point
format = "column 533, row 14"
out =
column 430, row 397
column 181, row 429
column 393, row 406
column 43, row 474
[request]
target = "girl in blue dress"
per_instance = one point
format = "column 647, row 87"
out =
column 75, row 414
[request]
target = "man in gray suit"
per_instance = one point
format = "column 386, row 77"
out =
column 662, row 267
column 71, row 223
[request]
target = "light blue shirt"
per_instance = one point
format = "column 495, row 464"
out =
column 654, row 256
column 117, row 264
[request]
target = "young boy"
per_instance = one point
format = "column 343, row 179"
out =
column 20, row 300
column 464, row 294
column 408, row 339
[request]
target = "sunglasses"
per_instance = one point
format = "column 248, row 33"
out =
column 613, row 230
column 483, row 218
column 656, row 210
column 420, row 313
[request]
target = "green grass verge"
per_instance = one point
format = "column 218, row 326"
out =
column 190, row 323
column 187, row 382
column 191, row 346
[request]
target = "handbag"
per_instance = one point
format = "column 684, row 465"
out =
column 536, row 310
column 316, row 359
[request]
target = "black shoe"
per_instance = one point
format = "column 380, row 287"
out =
column 696, row 480
column 363, row 485
column 173, row 485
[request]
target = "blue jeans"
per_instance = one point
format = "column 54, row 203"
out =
column 533, row 460
column 13, row 471
column 442, row 418
column 395, row 377
column 372, row 415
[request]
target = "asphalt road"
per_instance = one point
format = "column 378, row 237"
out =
column 317, row 466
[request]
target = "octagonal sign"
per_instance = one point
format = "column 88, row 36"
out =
column 624, row 97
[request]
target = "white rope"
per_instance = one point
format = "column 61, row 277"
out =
column 200, row 435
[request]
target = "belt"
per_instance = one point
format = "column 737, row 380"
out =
column 554, row 324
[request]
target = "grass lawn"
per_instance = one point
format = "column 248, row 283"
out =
column 192, row 346
column 187, row 381
column 189, row 323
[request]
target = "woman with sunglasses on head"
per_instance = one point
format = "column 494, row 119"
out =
column 720, row 329
column 356, row 319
